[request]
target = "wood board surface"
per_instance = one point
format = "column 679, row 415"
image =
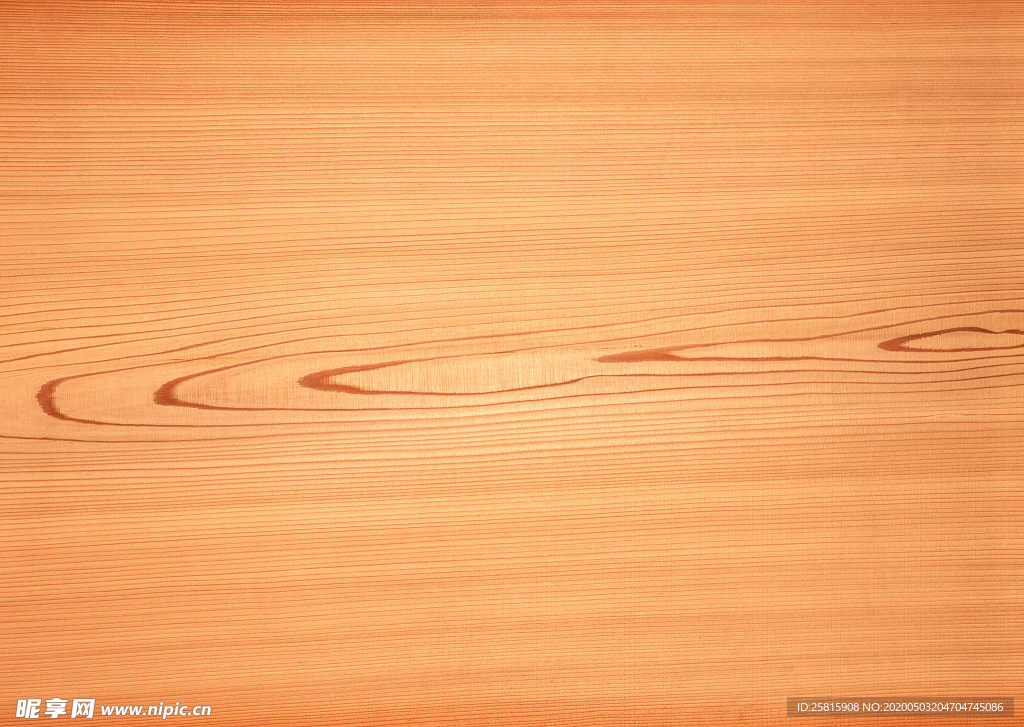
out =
column 511, row 363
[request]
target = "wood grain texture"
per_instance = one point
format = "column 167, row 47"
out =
column 511, row 363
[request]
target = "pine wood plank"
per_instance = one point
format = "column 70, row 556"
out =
column 506, row 363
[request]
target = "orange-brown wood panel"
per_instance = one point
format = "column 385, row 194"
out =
column 522, row 363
